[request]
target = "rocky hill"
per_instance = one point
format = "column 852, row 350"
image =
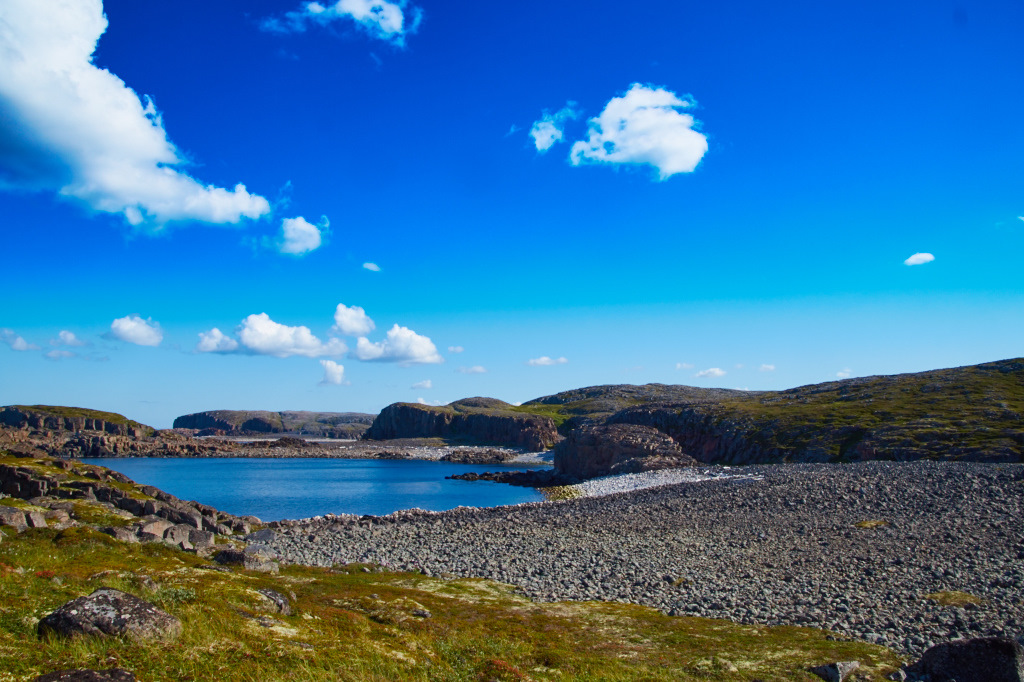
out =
column 57, row 418
column 254, row 422
column 476, row 420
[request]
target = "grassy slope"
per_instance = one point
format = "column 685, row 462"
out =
column 353, row 624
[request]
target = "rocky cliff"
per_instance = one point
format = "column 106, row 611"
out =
column 255, row 422
column 592, row 451
column 478, row 420
column 973, row 413
column 53, row 418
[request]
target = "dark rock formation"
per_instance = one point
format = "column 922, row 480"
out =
column 87, row 675
column 836, row 672
column 592, row 451
column 256, row 422
column 986, row 659
column 531, row 478
column 110, row 612
column 487, row 456
column 43, row 417
column 464, row 421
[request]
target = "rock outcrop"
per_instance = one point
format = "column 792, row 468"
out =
column 88, row 675
column 44, row 417
column 592, row 451
column 465, row 421
column 109, row 612
column 256, row 422
column 984, row 659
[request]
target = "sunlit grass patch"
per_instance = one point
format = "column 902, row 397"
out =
column 871, row 523
column 953, row 598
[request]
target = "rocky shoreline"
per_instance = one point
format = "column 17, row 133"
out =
column 901, row 554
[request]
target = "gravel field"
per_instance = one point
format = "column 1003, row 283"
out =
column 785, row 544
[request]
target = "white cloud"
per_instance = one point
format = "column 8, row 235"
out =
column 711, row 372
column 134, row 329
column 216, row 341
column 66, row 338
column 767, row 368
column 379, row 18
column 683, row 365
column 352, row 321
column 372, row 267
column 14, row 341
column 644, row 127
column 844, row 373
column 545, row 361
column 402, row 345
column 262, row 336
column 919, row 259
column 425, row 384
column 455, row 349
column 549, row 129
column 334, row 373
column 72, row 127
column 421, row 401
column 739, row 365
column 299, row 236
column 475, row 369
column 60, row 354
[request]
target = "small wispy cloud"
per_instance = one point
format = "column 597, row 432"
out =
column 372, row 267
column 683, row 365
column 475, row 369
column 66, row 338
column 425, row 384
column 299, row 236
column 14, row 341
column 550, row 128
column 711, row 372
column 545, row 361
column 766, row 368
column 455, row 349
column 59, row 354
column 434, row 403
column 334, row 374
column 919, row 259
column 134, row 329
column 215, row 341
column 844, row 373
column 379, row 19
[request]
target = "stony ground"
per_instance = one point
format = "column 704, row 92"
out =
column 854, row 548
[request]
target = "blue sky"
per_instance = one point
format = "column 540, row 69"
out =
column 714, row 194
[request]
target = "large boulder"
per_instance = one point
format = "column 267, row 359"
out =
column 985, row 659
column 110, row 612
column 592, row 451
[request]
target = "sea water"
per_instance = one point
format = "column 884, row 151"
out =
column 295, row 488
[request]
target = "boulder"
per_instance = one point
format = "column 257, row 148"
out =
column 592, row 451
column 86, row 675
column 120, row 533
column 253, row 562
column 985, row 659
column 836, row 672
column 109, row 612
column 277, row 602
column 15, row 518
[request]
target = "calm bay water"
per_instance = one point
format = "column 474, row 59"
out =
column 295, row 488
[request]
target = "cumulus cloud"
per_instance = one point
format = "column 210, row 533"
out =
column 334, row 374
column 425, row 384
column 550, row 128
column 15, row 341
column 455, row 349
column 919, row 259
column 372, row 267
column 134, row 329
column 74, row 128
column 352, row 321
column 711, row 372
column 260, row 335
column 475, row 369
column 66, row 338
column 299, row 236
column 844, row 373
column 216, row 341
column 379, row 18
column 644, row 126
column 545, row 361
column 683, row 365
column 402, row 345
column 767, row 368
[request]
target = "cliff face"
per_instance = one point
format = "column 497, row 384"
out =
column 592, row 451
column 252, row 422
column 463, row 422
column 44, row 418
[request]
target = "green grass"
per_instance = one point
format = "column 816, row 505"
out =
column 352, row 625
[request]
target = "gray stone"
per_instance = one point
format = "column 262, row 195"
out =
column 986, row 659
column 154, row 525
column 200, row 538
column 253, row 562
column 177, row 534
column 265, row 535
column 277, row 602
column 836, row 672
column 12, row 517
column 109, row 612
column 35, row 519
column 120, row 533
